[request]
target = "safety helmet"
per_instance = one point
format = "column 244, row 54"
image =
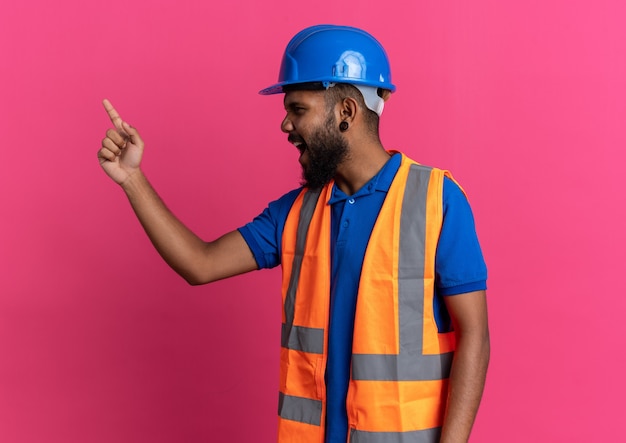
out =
column 330, row 54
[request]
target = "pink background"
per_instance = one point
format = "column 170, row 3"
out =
column 525, row 102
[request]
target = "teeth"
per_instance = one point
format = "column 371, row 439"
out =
column 297, row 142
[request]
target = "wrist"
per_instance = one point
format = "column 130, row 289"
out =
column 134, row 181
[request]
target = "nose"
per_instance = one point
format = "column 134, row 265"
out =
column 286, row 126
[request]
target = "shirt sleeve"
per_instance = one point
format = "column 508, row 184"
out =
column 264, row 234
column 459, row 263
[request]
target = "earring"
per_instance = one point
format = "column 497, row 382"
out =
column 343, row 126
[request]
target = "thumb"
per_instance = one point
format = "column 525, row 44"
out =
column 133, row 135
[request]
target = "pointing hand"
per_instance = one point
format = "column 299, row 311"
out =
column 122, row 148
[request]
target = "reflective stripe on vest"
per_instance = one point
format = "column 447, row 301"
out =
column 423, row 436
column 397, row 394
column 301, row 407
column 398, row 387
column 301, row 338
column 410, row 363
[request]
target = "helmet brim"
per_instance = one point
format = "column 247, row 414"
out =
column 278, row 87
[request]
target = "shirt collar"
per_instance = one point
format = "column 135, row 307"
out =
column 380, row 182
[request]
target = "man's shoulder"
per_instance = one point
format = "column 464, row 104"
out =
column 288, row 198
column 282, row 205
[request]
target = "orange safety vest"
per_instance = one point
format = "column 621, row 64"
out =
column 400, row 362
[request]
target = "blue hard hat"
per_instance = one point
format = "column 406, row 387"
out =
column 333, row 54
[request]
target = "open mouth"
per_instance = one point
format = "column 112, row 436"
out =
column 301, row 147
column 298, row 143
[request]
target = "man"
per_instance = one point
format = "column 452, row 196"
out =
column 385, row 335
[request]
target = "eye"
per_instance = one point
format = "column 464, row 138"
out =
column 295, row 108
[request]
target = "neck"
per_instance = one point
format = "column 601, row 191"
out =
column 362, row 164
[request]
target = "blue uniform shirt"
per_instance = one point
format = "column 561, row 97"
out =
column 459, row 267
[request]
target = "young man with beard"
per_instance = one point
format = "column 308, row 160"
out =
column 385, row 335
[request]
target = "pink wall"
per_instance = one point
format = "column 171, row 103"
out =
column 99, row 341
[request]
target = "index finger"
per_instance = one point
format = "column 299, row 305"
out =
column 113, row 115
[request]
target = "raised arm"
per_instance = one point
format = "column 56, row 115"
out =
column 195, row 260
column 469, row 368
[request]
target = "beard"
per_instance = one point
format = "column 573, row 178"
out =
column 327, row 149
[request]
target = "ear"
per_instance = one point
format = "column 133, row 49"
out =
column 348, row 110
